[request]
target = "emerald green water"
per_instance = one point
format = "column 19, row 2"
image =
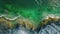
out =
column 29, row 9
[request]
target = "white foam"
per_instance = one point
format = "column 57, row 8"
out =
column 1, row 15
column 52, row 16
column 11, row 18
